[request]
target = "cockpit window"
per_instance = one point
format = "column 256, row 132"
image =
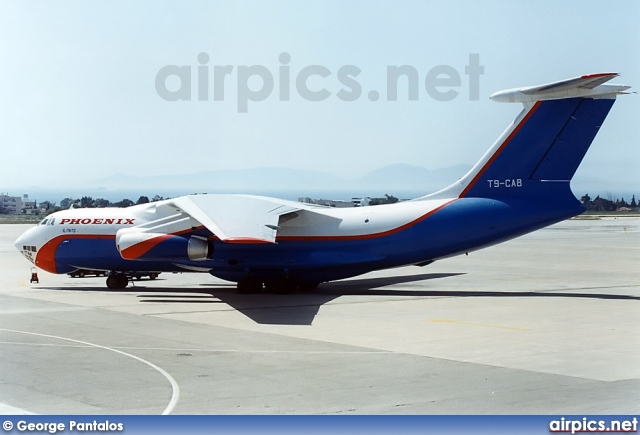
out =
column 44, row 222
column 52, row 221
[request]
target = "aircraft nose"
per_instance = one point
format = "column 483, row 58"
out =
column 20, row 242
column 25, row 244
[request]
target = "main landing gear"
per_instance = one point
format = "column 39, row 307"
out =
column 117, row 281
column 253, row 284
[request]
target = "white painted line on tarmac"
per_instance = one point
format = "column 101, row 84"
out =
column 175, row 395
column 304, row 352
column 172, row 349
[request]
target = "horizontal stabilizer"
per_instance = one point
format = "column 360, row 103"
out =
column 587, row 86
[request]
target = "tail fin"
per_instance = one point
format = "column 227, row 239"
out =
column 543, row 147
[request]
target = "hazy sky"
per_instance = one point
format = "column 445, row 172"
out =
column 78, row 97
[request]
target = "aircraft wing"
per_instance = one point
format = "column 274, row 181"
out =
column 237, row 218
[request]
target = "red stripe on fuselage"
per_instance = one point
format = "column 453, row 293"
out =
column 502, row 147
column 362, row 236
column 46, row 258
column 136, row 251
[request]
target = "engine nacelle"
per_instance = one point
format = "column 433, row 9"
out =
column 141, row 246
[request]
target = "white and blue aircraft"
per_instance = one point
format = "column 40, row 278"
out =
column 520, row 185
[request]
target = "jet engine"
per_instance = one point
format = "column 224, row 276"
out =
column 143, row 246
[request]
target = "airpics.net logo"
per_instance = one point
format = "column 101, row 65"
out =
column 255, row 83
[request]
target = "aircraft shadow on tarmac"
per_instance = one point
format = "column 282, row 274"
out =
column 301, row 308
column 288, row 309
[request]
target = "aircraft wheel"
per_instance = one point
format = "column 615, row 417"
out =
column 250, row 285
column 123, row 281
column 112, row 282
column 81, row 274
column 117, row 281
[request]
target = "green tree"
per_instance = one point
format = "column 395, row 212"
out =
column 601, row 204
column 101, row 203
column 47, row 205
column 388, row 199
column 86, row 202
column 124, row 203
column 143, row 200
column 585, row 200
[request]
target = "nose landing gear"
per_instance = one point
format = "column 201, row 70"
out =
column 34, row 276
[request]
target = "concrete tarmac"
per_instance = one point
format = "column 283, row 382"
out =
column 545, row 324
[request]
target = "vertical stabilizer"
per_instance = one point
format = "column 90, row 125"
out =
column 541, row 150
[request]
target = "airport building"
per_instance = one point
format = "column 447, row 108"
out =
column 17, row 204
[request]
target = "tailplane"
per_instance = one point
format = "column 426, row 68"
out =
column 541, row 150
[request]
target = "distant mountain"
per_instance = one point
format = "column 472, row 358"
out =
column 397, row 177
column 401, row 180
column 404, row 176
column 229, row 179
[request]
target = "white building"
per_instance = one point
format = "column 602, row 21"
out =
column 16, row 204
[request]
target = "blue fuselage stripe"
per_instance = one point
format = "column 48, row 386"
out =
column 461, row 226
